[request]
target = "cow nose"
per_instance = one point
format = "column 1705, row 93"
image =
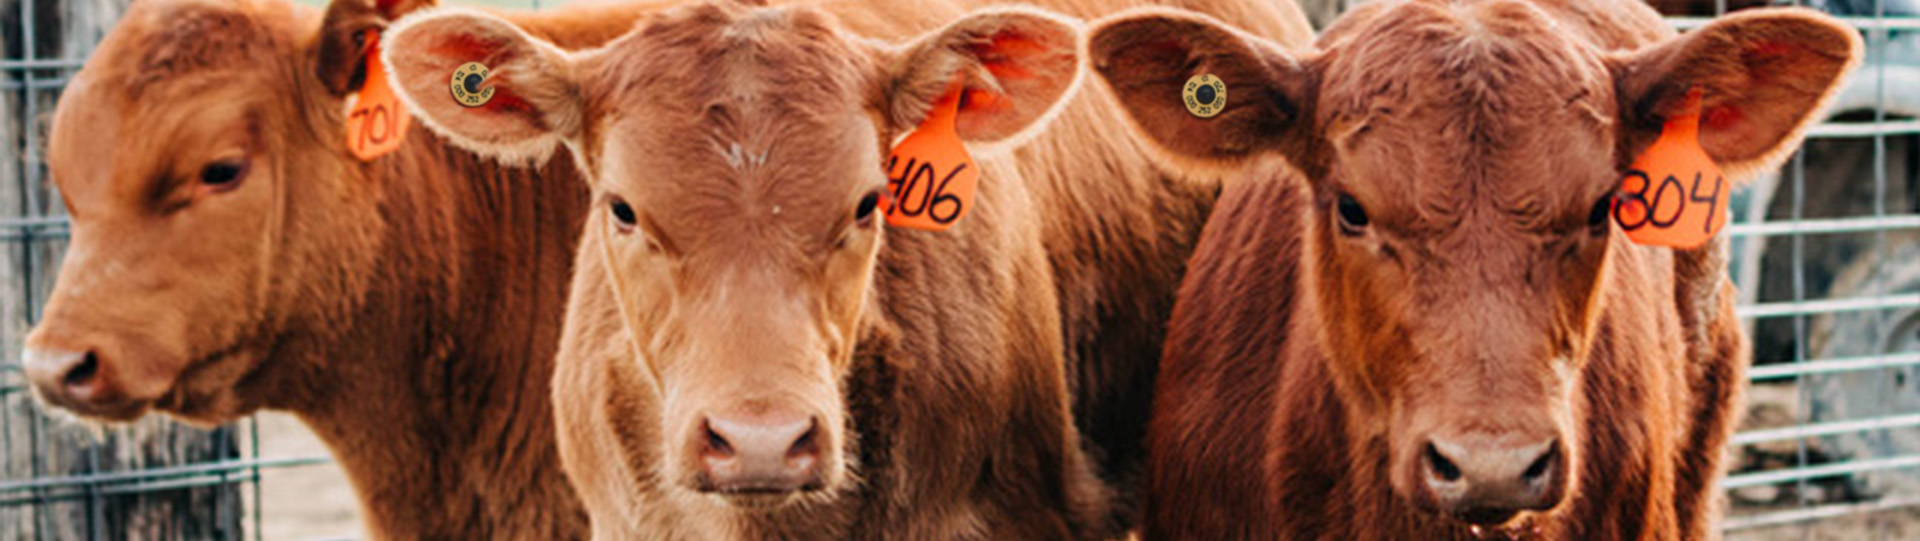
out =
column 761, row 454
column 1487, row 481
column 71, row 378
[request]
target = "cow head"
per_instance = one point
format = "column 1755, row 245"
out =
column 1463, row 160
column 200, row 153
column 735, row 156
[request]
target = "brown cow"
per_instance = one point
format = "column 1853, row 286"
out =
column 759, row 367
column 1435, row 331
column 228, row 255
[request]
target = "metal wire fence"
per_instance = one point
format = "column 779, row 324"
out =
column 1827, row 258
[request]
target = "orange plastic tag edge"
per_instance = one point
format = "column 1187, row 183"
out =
column 942, row 119
column 400, row 117
column 1683, row 129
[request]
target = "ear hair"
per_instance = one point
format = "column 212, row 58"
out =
column 924, row 69
column 535, row 86
column 1768, row 76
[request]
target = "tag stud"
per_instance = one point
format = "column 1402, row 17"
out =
column 466, row 85
column 1205, row 95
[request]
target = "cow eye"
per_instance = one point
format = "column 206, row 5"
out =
column 623, row 217
column 1597, row 218
column 223, row 175
column 863, row 213
column 1353, row 218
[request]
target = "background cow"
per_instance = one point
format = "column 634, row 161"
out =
column 1116, row 228
column 1435, row 330
column 228, row 254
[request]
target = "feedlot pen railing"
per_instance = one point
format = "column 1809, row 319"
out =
column 1826, row 253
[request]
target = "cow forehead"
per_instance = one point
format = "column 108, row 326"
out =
column 687, row 60
column 175, row 42
column 689, row 176
column 1443, row 107
column 719, row 111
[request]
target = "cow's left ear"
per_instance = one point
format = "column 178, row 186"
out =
column 340, row 51
column 525, row 102
column 1018, row 66
column 1765, row 76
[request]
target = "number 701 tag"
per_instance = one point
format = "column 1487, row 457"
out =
column 376, row 121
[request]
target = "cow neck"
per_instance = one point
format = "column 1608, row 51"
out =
column 447, row 424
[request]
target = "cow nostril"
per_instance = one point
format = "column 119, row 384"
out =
column 716, row 444
column 1542, row 465
column 1446, row 469
column 81, row 374
column 805, row 445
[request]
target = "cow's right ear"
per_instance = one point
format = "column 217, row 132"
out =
column 340, row 52
column 535, row 100
column 1146, row 57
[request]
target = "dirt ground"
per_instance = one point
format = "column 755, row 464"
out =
column 304, row 503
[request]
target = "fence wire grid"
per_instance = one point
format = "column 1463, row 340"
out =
column 1826, row 255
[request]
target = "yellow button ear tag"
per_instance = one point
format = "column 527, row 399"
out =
column 466, row 85
column 1205, row 95
column 1674, row 195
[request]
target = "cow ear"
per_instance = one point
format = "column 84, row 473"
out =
column 1017, row 68
column 535, row 100
column 340, row 51
column 1147, row 58
column 1765, row 76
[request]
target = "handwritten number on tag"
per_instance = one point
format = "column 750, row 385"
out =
column 1668, row 203
column 907, row 182
column 1673, row 194
column 930, row 175
column 376, row 125
column 1711, row 200
column 377, row 122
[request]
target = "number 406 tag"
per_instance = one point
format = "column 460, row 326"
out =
column 930, row 175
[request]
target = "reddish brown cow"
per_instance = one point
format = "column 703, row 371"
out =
column 1116, row 230
column 228, row 255
column 1436, row 331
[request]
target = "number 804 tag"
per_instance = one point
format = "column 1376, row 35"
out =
column 1673, row 194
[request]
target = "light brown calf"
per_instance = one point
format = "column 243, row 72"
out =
column 739, row 344
column 1115, row 229
column 228, row 254
column 1437, row 330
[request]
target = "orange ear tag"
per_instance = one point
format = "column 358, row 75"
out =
column 930, row 175
column 376, row 120
column 1674, row 195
